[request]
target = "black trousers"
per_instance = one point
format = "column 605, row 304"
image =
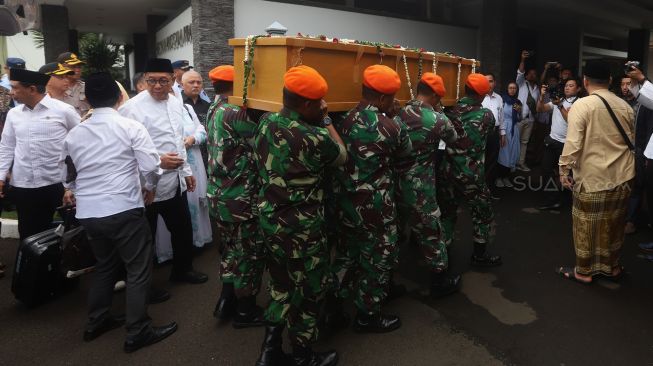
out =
column 36, row 207
column 552, row 152
column 176, row 216
column 120, row 242
column 649, row 188
column 492, row 148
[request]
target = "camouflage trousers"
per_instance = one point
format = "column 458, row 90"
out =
column 477, row 198
column 364, row 262
column 419, row 214
column 243, row 256
column 297, row 287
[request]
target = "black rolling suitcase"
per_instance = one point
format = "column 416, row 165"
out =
column 37, row 277
column 37, row 274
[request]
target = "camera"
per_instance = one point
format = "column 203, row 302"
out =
column 554, row 93
column 630, row 66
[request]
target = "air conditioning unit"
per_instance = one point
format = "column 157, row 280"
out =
column 18, row 16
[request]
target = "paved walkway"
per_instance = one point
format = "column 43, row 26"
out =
column 519, row 314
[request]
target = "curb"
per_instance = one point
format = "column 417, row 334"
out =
column 9, row 229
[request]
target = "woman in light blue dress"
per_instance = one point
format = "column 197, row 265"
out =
column 194, row 136
column 509, row 153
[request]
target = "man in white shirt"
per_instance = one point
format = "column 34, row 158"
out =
column 32, row 140
column 162, row 116
column 528, row 95
column 102, row 162
column 554, row 143
column 641, row 87
column 497, row 136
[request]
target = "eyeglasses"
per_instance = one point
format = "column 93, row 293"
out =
column 162, row 82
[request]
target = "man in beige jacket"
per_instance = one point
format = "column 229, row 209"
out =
column 598, row 151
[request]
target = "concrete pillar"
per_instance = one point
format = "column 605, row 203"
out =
column 54, row 25
column 638, row 46
column 213, row 26
column 73, row 41
column 153, row 22
column 140, row 51
column 497, row 48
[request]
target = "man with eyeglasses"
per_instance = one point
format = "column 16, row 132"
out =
column 162, row 115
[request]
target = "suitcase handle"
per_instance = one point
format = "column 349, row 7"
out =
column 67, row 213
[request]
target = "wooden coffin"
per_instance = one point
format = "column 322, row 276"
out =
column 341, row 64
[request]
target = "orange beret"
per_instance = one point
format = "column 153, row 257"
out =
column 222, row 73
column 478, row 83
column 306, row 82
column 382, row 79
column 435, row 82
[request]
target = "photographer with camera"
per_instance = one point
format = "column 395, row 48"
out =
column 641, row 87
column 528, row 95
column 558, row 106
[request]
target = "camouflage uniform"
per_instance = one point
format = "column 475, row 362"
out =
column 232, row 190
column 463, row 170
column 76, row 97
column 418, row 207
column 366, row 193
column 291, row 157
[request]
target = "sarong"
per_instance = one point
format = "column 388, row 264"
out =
column 598, row 223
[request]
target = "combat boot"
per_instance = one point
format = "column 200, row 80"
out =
column 378, row 323
column 225, row 309
column 271, row 351
column 248, row 314
column 481, row 258
column 443, row 284
column 334, row 317
column 395, row 290
column 305, row 356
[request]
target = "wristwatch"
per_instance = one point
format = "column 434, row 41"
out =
column 326, row 121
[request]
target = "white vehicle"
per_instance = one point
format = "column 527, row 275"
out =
column 18, row 16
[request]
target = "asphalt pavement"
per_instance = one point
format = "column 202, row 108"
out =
column 521, row 313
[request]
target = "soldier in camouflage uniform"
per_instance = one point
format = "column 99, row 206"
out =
column 418, row 206
column 232, row 192
column 462, row 170
column 292, row 152
column 366, row 199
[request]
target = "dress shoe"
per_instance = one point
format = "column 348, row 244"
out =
column 486, row 260
column 302, row 356
column 192, row 277
column 248, row 314
column 109, row 323
column 157, row 296
column 149, row 336
column 271, row 351
column 443, row 284
column 379, row 323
